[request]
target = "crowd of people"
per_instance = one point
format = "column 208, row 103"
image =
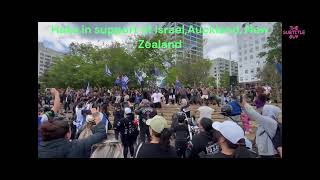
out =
column 144, row 133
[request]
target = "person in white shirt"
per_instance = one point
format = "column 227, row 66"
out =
column 205, row 111
column 156, row 99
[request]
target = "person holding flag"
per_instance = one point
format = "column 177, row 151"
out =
column 118, row 81
column 140, row 77
column 124, row 83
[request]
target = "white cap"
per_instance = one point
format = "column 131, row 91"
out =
column 230, row 130
column 127, row 110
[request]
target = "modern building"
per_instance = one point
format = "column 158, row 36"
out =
column 220, row 65
column 192, row 43
column 46, row 58
column 250, row 44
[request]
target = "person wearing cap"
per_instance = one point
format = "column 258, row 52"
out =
column 236, row 109
column 159, row 146
column 266, row 127
column 203, row 144
column 56, row 142
column 181, row 135
column 128, row 132
column 205, row 111
column 226, row 110
column 231, row 140
column 145, row 112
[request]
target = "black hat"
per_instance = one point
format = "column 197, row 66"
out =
column 226, row 110
column 181, row 117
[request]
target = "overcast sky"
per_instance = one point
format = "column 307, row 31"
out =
column 217, row 45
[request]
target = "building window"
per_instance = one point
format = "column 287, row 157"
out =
column 240, row 59
column 258, row 63
column 258, row 69
column 251, row 56
column 245, row 51
column 239, row 53
column 252, row 78
column 246, row 71
column 256, row 41
column 245, row 58
column 41, row 57
column 257, row 48
column 41, row 54
column 252, row 71
column 263, row 39
column 251, row 50
column 240, row 66
column 244, row 45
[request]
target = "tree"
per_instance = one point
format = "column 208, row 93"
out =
column 225, row 80
column 274, row 43
column 86, row 63
column 269, row 74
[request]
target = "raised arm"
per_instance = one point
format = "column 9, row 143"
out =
column 56, row 103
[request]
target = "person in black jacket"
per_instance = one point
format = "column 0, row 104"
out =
column 56, row 139
column 182, row 136
column 145, row 112
column 128, row 132
column 117, row 114
column 205, row 143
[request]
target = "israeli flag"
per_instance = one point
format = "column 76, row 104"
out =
column 125, row 79
column 139, row 77
column 144, row 75
column 107, row 71
column 88, row 89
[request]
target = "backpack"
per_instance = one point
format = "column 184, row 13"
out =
column 107, row 149
column 277, row 138
column 236, row 109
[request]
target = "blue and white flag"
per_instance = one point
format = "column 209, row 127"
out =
column 88, row 89
column 125, row 79
column 107, row 71
column 177, row 84
column 139, row 76
column 124, row 86
column 118, row 81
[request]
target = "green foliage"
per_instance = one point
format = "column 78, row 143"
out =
column 86, row 63
column 274, row 42
column 225, row 80
column 269, row 75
